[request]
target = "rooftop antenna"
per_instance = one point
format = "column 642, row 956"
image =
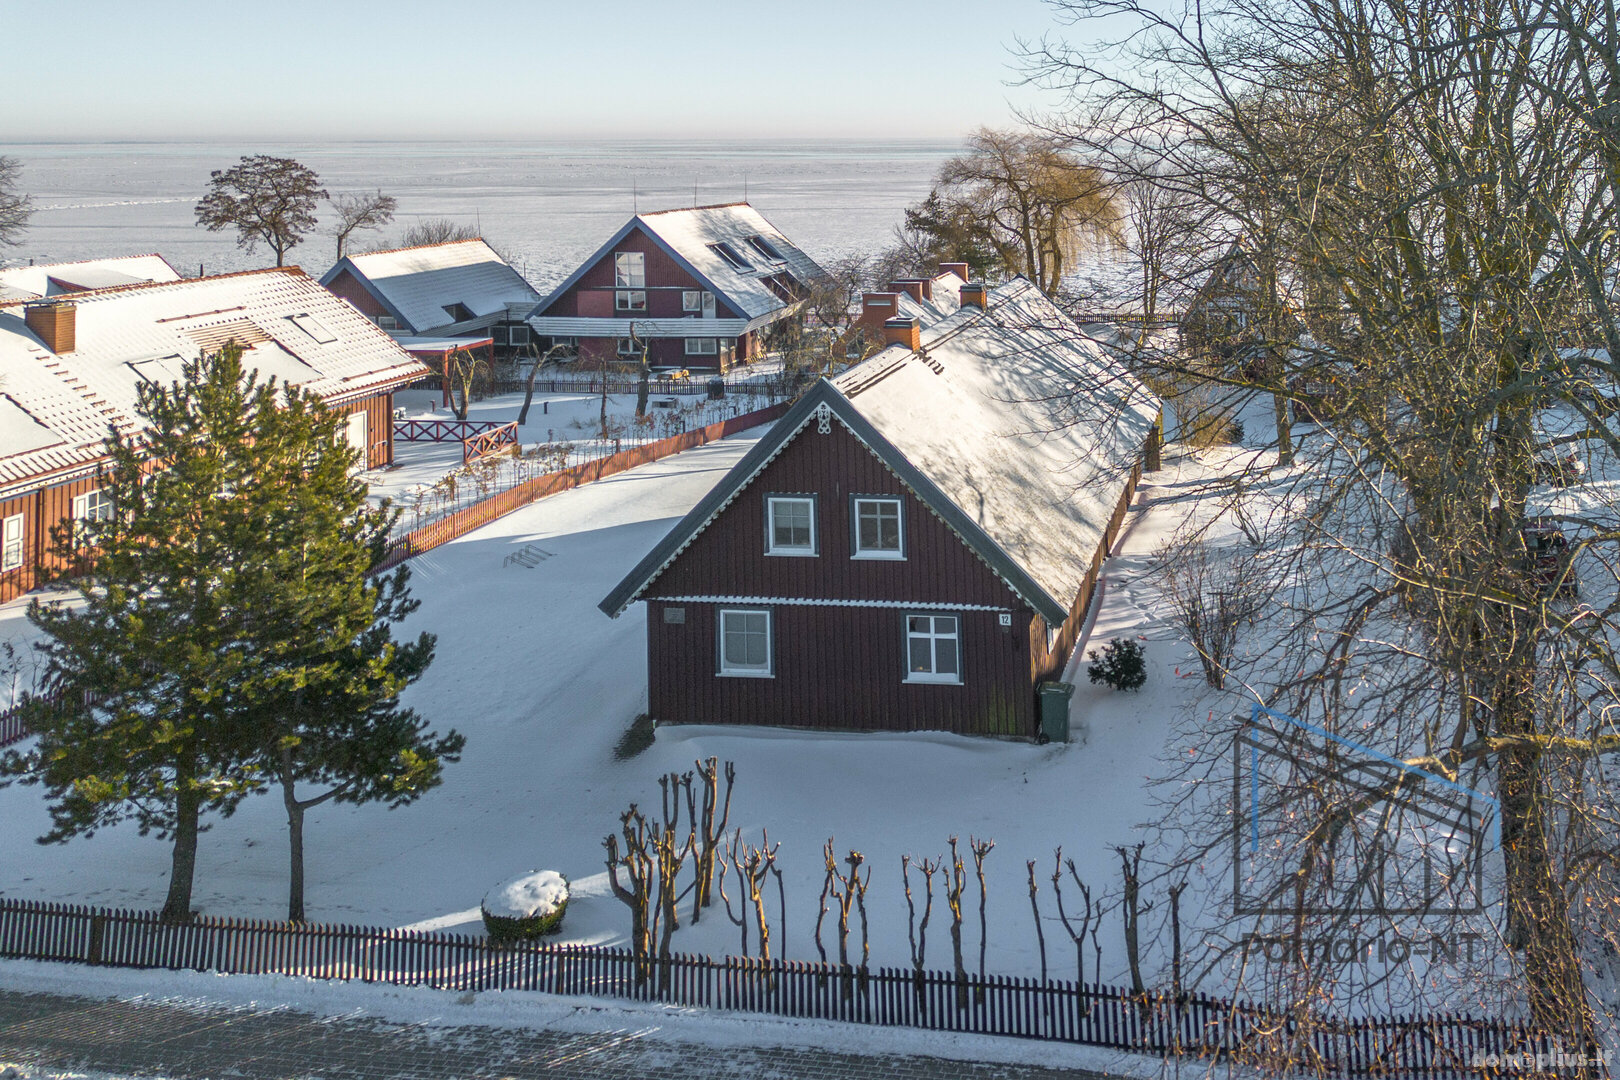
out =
column 745, row 187
column 635, row 198
column 694, row 194
column 478, row 222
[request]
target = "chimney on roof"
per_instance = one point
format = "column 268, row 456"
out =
column 959, row 269
column 53, row 323
column 903, row 330
column 973, row 295
column 911, row 286
column 878, row 306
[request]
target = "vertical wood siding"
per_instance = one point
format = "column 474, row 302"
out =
column 665, row 280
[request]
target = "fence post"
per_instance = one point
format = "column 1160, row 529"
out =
column 98, row 934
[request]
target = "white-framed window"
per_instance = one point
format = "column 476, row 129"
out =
column 879, row 528
column 519, row 333
column 629, row 270
column 731, row 255
column 628, row 347
column 702, row 346
column 765, row 248
column 745, row 642
column 691, row 299
column 386, row 322
column 790, row 525
column 11, row 542
column 630, row 300
column 91, row 506
column 933, row 649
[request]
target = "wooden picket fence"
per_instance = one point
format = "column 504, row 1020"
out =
column 1195, row 1025
column 481, row 513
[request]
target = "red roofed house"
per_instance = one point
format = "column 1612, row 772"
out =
column 70, row 365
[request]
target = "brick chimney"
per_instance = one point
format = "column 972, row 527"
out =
column 912, row 286
column 903, row 330
column 54, row 324
column 959, row 269
column 973, row 295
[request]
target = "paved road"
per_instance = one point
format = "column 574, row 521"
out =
column 47, row 1032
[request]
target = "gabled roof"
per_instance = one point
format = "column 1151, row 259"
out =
column 417, row 284
column 290, row 327
column 695, row 237
column 1010, row 424
column 53, row 279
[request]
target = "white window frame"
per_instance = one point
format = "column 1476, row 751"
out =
column 627, row 347
column 766, row 249
column 386, row 322
column 629, row 270
column 630, row 300
column 724, row 666
column 860, row 552
column 93, row 505
column 933, row 635
column 702, row 346
column 13, row 546
column 691, row 299
column 518, row 333
column 790, row 550
column 731, row 256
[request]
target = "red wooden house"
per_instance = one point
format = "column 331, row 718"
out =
column 914, row 545
column 70, row 366
column 701, row 287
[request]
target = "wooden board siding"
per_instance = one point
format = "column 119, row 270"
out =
column 839, row 668
column 666, row 279
column 379, row 410
column 348, row 288
column 18, row 581
column 44, row 509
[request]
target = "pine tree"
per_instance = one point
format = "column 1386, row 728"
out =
column 147, row 662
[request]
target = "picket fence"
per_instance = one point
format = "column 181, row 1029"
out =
column 1195, row 1025
column 461, row 522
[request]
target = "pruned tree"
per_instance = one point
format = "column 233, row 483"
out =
column 265, row 199
column 636, row 861
column 360, row 211
column 1085, row 918
column 955, row 882
column 15, row 207
column 752, row 866
column 1035, row 911
column 1130, row 869
column 981, row 849
column 711, row 818
column 917, row 932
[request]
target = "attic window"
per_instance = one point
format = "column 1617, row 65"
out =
column 312, row 326
column 159, row 371
column 765, row 248
column 459, row 312
column 731, row 255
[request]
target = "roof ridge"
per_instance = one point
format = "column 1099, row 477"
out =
column 689, row 209
column 420, row 247
column 81, row 262
column 96, row 294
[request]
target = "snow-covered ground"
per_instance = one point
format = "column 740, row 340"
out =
column 544, row 685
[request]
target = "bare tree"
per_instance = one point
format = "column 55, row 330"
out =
column 537, row 360
column 263, row 198
column 462, row 369
column 15, row 207
column 711, row 820
column 917, row 933
column 360, row 211
column 1085, row 920
column 752, row 866
column 1130, row 868
column 430, row 231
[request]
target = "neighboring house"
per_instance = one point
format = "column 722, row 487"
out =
column 925, row 299
column 700, row 287
column 915, row 544
column 440, row 296
column 70, row 366
column 1226, row 319
column 32, row 282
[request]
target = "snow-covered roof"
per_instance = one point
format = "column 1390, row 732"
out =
column 419, row 285
column 944, row 298
column 732, row 248
column 289, row 326
column 30, row 282
column 582, row 326
column 1016, row 428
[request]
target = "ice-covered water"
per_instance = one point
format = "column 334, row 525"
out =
column 547, row 205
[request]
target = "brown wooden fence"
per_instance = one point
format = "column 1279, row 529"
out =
column 1195, row 1025
column 479, row 514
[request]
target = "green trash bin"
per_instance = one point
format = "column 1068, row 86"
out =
column 1055, row 711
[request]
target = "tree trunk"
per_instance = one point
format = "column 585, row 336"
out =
column 528, row 392
column 1285, row 434
column 295, row 846
column 642, row 387
column 187, row 809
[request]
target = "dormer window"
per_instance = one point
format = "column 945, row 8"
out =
column 731, row 255
column 459, row 312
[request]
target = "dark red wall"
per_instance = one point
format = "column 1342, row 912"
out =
column 665, row 281
column 838, row 667
column 348, row 288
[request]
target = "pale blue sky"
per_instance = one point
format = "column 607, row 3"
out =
column 100, row 69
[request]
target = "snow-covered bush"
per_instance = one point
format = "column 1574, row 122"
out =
column 1119, row 664
column 526, row 906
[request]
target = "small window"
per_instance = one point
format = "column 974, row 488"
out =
column 878, row 529
column 630, row 301
column 312, row 326
column 387, row 322
column 519, row 333
column 933, row 649
column 745, row 642
column 498, row 335
column 628, row 347
column 91, row 506
column 765, row 248
column 692, row 300
column 11, row 542
column 701, row 346
column 790, row 526
column 731, row 255
column 630, row 270
column 459, row 312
